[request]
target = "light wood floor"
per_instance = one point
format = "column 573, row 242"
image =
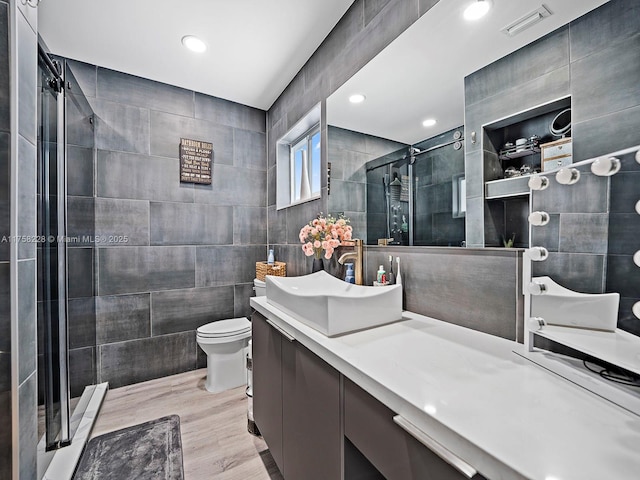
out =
column 215, row 441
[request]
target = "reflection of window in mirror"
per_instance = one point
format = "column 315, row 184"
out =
column 459, row 196
column 298, row 171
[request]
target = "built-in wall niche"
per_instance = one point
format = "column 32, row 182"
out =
column 511, row 153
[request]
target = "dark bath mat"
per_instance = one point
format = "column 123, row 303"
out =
column 151, row 450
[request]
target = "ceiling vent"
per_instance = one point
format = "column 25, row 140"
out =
column 526, row 21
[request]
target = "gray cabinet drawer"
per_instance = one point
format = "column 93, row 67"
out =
column 369, row 426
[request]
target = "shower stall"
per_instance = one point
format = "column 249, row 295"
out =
column 62, row 326
column 51, row 253
column 416, row 195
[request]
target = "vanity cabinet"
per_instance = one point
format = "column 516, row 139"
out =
column 370, row 427
column 308, row 413
column 296, row 403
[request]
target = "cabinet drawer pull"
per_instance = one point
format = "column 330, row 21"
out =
column 282, row 331
column 453, row 460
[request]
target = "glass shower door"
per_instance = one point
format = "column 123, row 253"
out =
column 52, row 261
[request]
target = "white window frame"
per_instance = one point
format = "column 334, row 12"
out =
column 303, row 131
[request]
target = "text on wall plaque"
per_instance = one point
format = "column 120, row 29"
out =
column 195, row 161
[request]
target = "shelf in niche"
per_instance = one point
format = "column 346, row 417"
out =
column 519, row 152
column 507, row 187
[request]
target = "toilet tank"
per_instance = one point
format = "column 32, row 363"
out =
column 260, row 287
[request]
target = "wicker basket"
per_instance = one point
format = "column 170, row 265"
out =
column 279, row 269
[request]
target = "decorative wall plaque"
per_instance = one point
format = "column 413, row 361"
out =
column 195, row 161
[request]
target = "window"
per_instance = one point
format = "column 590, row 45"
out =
column 298, row 162
column 305, row 167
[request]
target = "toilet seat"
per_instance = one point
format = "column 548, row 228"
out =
column 225, row 328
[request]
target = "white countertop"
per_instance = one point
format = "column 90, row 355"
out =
column 470, row 392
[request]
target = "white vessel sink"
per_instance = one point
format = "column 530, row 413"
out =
column 331, row 306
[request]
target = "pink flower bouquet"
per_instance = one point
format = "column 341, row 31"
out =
column 324, row 233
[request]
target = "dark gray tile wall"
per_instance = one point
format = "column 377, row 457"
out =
column 476, row 289
column 22, row 141
column 169, row 257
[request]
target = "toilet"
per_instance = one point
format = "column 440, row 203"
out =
column 226, row 344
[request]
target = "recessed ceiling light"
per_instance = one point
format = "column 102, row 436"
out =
column 194, row 43
column 429, row 122
column 357, row 98
column 477, row 10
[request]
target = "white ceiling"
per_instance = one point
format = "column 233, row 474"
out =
column 421, row 74
column 256, row 47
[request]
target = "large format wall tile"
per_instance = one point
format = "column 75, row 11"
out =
column 81, row 78
column 27, row 74
column 455, row 286
column 575, row 271
column 81, row 322
column 190, row 224
column 168, row 129
column 535, row 60
column 121, row 127
column 28, row 433
column 241, row 297
column 589, row 195
column 186, row 310
column 121, row 222
column 5, row 211
column 606, row 81
column 227, row 265
column 122, row 317
column 623, row 276
column 574, row 225
column 126, row 175
column 135, row 361
column 81, row 220
column 612, row 23
column 225, row 112
column 80, row 272
column 249, row 149
column 27, row 178
column 132, row 90
column 79, row 171
column 144, row 269
column 249, row 225
column 82, row 369
column 5, row 308
column 234, row 186
column 4, row 72
column 606, row 134
column 27, row 321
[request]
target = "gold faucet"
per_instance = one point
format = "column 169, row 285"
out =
column 356, row 255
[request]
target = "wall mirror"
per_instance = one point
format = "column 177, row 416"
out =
column 388, row 135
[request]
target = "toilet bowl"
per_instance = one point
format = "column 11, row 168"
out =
column 225, row 343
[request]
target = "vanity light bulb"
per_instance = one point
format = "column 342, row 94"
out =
column 605, row 167
column 538, row 182
column 537, row 288
column 567, row 176
column 538, row 219
column 636, row 258
column 536, row 323
column 638, row 207
column 538, row 254
column 638, row 156
column 636, row 309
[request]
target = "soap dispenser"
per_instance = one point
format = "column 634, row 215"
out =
column 270, row 259
column 381, row 275
column 349, row 276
